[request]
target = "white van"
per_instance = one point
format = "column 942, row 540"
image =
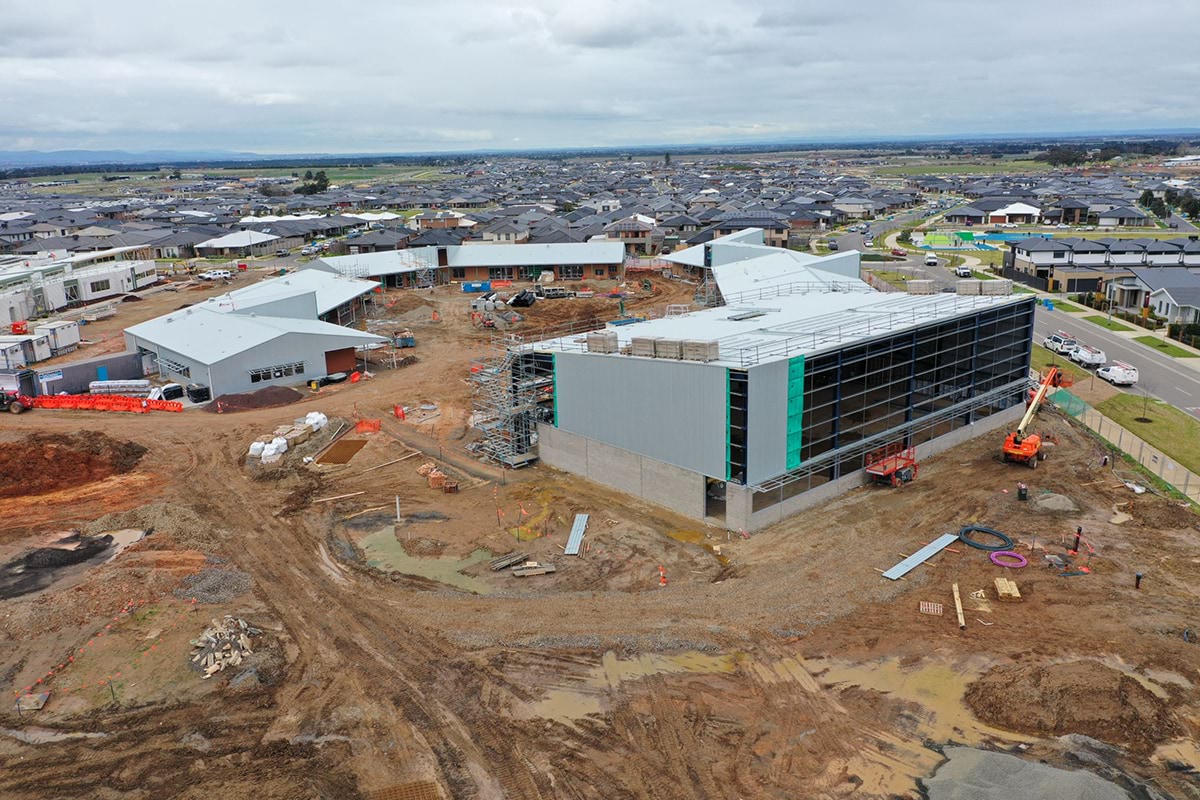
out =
column 931, row 260
column 1118, row 373
column 1060, row 342
column 1087, row 356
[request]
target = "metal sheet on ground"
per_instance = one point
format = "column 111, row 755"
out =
column 921, row 556
column 342, row 452
column 575, row 540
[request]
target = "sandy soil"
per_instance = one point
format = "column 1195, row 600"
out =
column 784, row 667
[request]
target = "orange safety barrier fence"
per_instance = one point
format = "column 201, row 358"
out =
column 367, row 426
column 105, row 402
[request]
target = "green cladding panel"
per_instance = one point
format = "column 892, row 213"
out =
column 795, row 410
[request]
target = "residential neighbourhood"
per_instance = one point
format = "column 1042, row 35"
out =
column 600, row 400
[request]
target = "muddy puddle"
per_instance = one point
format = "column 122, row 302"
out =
column 35, row 735
column 889, row 761
column 60, row 559
column 700, row 540
column 384, row 551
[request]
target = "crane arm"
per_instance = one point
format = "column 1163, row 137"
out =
column 1047, row 382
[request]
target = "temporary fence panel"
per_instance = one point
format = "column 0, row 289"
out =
column 575, row 540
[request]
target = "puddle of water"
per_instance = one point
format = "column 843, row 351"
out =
column 936, row 686
column 45, row 735
column 612, row 670
column 1117, row 663
column 122, row 539
column 699, row 539
column 1119, row 517
column 567, row 706
column 1184, row 750
column 384, row 551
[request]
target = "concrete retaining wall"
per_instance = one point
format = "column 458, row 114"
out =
column 658, row 482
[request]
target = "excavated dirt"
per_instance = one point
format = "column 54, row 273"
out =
column 270, row 397
column 46, row 462
column 1158, row 513
column 784, row 666
column 1083, row 697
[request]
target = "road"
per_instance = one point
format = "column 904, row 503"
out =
column 1162, row 376
column 1181, row 224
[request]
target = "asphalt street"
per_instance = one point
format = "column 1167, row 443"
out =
column 1162, row 376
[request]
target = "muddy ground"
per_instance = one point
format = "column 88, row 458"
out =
column 395, row 664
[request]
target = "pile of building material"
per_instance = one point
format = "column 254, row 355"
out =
column 225, row 644
column 437, row 478
column 997, row 287
column 270, row 448
column 921, row 287
column 521, row 565
column 969, row 286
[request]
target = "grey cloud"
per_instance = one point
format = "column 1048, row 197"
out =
column 275, row 76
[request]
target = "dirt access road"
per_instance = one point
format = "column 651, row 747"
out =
column 784, row 668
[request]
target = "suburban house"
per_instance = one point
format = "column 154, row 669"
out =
column 1122, row 217
column 1170, row 293
column 1015, row 213
column 637, row 235
column 241, row 243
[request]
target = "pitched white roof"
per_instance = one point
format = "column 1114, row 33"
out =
column 536, row 255
column 331, row 291
column 209, row 336
column 238, row 239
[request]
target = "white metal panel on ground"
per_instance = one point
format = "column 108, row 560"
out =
column 575, row 540
column 921, row 556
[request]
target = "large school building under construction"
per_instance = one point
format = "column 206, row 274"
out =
column 768, row 400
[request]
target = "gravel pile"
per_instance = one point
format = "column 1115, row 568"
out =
column 182, row 524
column 983, row 775
column 215, row 585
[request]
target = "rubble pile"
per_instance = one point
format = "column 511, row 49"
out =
column 225, row 644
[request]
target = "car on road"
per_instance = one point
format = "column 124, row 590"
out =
column 1087, row 356
column 215, row 275
column 899, row 251
column 868, row 242
column 1118, row 373
column 1060, row 342
column 931, row 260
column 306, row 251
column 1063, row 227
column 962, row 271
column 281, row 253
column 833, row 245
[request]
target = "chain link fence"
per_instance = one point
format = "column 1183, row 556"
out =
column 1150, row 457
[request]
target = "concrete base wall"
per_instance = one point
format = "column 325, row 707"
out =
column 739, row 513
column 663, row 484
column 683, row 491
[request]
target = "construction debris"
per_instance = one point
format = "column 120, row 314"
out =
column 530, row 568
column 933, row 609
column 508, row 560
column 225, row 644
column 1007, row 591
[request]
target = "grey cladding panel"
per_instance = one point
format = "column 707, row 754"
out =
column 669, row 410
column 766, row 443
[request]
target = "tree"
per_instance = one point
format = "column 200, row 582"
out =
column 1147, row 198
column 308, row 176
column 667, row 160
column 321, row 180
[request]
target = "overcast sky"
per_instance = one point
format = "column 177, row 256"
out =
column 306, row 76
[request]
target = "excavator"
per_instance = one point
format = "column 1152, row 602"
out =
column 1024, row 447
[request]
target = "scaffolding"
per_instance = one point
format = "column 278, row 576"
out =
column 708, row 294
column 513, row 390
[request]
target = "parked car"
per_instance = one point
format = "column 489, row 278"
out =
column 1063, row 343
column 306, row 251
column 868, row 242
column 1089, row 356
column 1118, row 373
column 962, row 271
column 931, row 260
column 216, row 275
column 281, row 253
column 832, row 243
column 1063, row 226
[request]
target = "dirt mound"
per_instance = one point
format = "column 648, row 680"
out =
column 1084, row 697
column 1154, row 512
column 1054, row 502
column 270, row 397
column 46, row 462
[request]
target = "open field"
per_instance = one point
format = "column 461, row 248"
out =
column 392, row 663
column 977, row 167
column 1170, row 430
column 94, row 183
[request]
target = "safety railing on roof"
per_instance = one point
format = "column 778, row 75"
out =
column 798, row 287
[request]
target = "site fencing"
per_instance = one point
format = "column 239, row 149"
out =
column 1156, row 461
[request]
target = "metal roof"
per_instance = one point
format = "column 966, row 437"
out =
column 209, row 336
column 797, row 324
column 331, row 291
